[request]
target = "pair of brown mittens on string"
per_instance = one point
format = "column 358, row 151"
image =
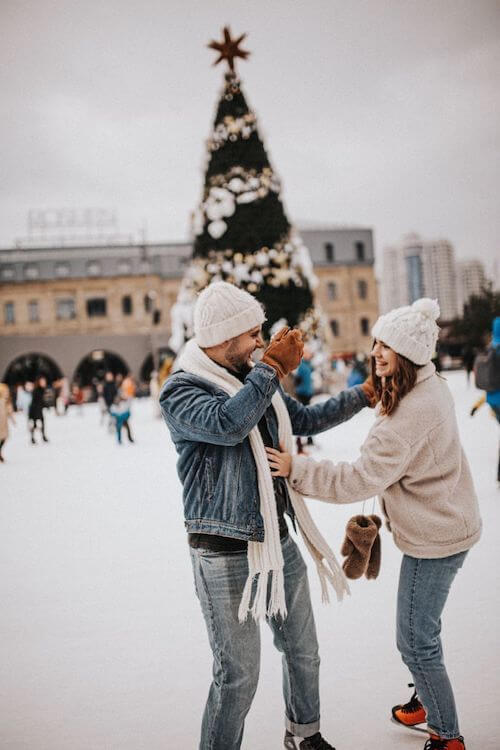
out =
column 361, row 547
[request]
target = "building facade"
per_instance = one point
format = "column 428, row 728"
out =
column 471, row 280
column 420, row 268
column 68, row 304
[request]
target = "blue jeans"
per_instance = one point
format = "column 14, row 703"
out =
column 424, row 585
column 219, row 581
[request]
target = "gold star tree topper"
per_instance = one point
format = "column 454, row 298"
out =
column 229, row 48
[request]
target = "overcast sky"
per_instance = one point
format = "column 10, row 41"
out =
column 383, row 114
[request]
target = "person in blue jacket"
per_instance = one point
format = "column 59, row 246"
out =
column 492, row 398
column 304, row 388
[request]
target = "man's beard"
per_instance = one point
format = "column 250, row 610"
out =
column 237, row 361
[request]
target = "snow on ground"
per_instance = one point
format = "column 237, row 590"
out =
column 103, row 644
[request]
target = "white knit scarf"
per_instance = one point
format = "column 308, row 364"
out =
column 265, row 559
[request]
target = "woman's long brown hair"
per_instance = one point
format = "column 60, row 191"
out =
column 396, row 386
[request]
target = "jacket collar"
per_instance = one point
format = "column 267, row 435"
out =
column 425, row 372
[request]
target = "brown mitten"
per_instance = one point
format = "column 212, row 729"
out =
column 360, row 535
column 284, row 352
column 373, row 568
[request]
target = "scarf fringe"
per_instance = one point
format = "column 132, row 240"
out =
column 272, row 582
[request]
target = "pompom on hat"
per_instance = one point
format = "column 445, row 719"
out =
column 411, row 331
column 223, row 311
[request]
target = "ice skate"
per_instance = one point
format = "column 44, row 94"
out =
column 316, row 742
column 411, row 714
column 438, row 743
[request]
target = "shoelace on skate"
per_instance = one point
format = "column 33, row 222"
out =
column 413, row 704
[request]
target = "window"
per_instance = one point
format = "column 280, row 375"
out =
column 8, row 313
column 33, row 312
column 127, row 305
column 331, row 289
column 365, row 326
column 93, row 268
column 415, row 276
column 362, row 289
column 31, row 271
column 96, row 307
column 62, row 269
column 360, row 251
column 8, row 273
column 334, row 325
column 329, row 252
column 145, row 266
column 65, row 309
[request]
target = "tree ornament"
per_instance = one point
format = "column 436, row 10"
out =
column 229, row 49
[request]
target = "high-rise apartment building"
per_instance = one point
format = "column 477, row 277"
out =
column 471, row 279
column 420, row 268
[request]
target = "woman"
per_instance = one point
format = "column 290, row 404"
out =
column 412, row 458
column 5, row 415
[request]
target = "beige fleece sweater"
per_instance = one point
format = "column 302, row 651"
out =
column 414, row 462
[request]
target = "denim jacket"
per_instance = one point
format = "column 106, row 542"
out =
column 210, row 431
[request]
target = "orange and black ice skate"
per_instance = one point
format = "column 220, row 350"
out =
column 410, row 714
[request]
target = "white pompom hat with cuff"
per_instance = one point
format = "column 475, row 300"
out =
column 411, row 331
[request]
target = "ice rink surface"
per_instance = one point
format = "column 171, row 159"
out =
column 103, row 643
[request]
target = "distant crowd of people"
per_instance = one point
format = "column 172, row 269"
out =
column 115, row 393
column 33, row 399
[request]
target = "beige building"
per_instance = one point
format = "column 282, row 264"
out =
column 76, row 305
column 347, row 293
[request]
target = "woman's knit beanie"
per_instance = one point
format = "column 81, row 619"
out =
column 223, row 311
column 411, row 331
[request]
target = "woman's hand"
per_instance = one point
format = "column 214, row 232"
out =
column 280, row 463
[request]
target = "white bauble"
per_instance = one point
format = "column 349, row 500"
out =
column 257, row 277
column 247, row 197
column 236, row 184
column 241, row 272
column 217, row 228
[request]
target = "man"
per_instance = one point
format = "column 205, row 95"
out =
column 221, row 412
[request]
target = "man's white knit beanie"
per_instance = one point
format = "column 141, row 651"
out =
column 411, row 331
column 223, row 311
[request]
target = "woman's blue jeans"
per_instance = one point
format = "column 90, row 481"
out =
column 219, row 580
column 424, row 585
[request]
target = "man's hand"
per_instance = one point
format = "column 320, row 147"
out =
column 284, row 352
column 369, row 391
column 280, row 463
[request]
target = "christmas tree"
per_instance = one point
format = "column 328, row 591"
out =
column 241, row 232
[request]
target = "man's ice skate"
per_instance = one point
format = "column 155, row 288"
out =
column 410, row 714
column 316, row 742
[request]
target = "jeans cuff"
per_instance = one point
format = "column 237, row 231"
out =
column 301, row 730
column 444, row 735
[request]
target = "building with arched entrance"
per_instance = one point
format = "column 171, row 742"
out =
column 88, row 307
